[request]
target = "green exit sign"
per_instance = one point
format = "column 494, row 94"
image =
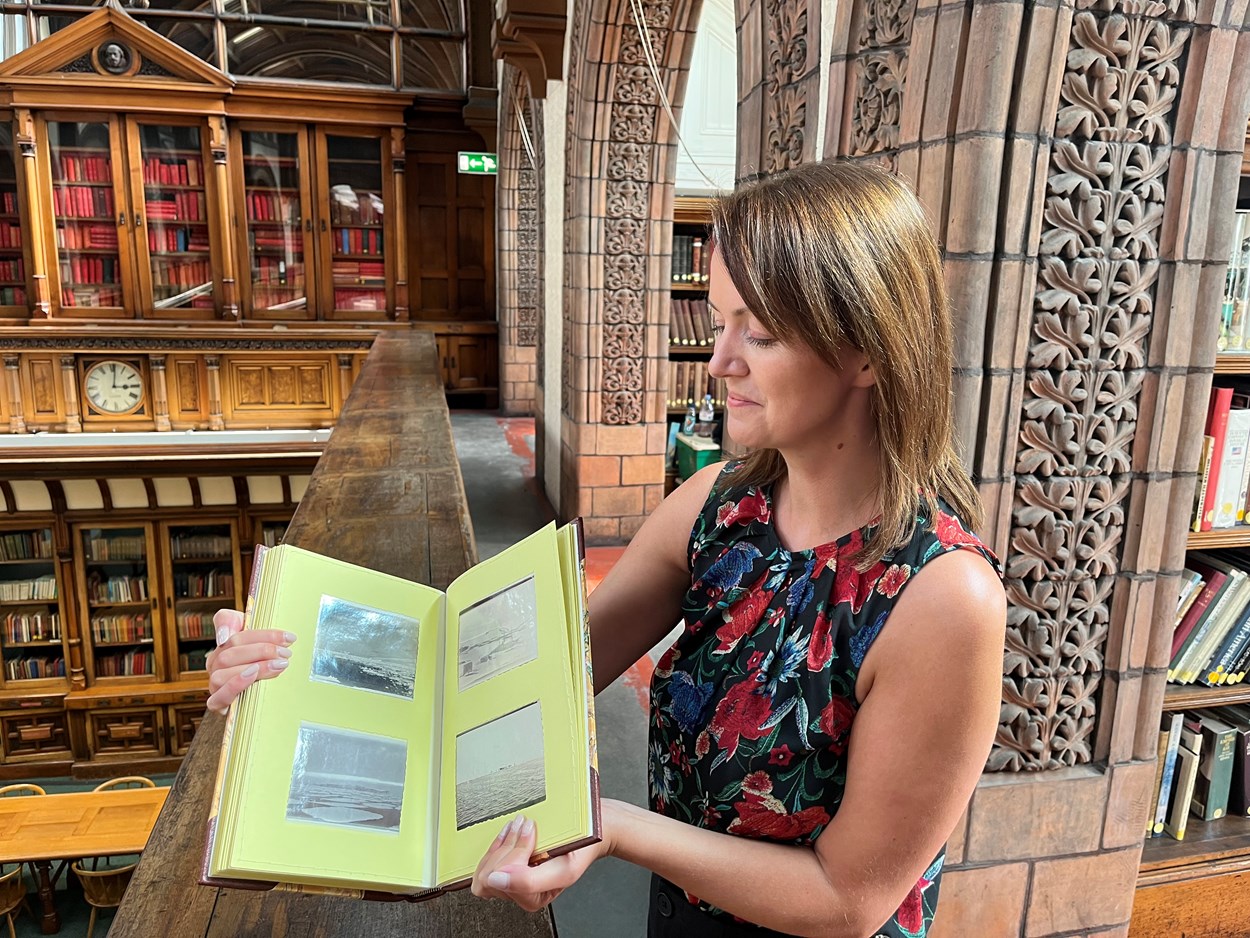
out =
column 481, row 163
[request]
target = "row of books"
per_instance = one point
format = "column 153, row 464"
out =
column 271, row 206
column 127, row 664
column 689, row 323
column 689, row 382
column 117, row 589
column 87, row 236
column 188, row 585
column 37, row 588
column 8, row 202
column 178, row 239
column 31, row 627
column 176, row 206
column 183, row 273
column 357, row 271
column 82, row 202
column 185, row 171
column 194, row 660
column 1203, row 769
column 355, row 207
column 121, row 628
column 12, row 296
column 91, row 270
column 81, row 169
column 12, row 270
column 33, row 667
column 26, row 545
column 276, row 270
column 10, row 235
column 359, row 299
column 358, row 241
column 193, row 625
column 96, row 296
column 691, row 262
column 1224, row 471
column 1211, row 640
column 201, row 546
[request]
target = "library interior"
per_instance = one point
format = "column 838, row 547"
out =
column 402, row 281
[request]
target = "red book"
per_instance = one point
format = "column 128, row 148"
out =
column 1215, row 579
column 1217, row 429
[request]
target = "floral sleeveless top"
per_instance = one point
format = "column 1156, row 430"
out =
column 752, row 707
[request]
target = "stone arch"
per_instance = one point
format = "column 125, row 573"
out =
column 521, row 245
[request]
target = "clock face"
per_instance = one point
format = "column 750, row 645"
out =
column 114, row 387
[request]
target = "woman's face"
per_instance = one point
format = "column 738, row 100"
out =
column 780, row 395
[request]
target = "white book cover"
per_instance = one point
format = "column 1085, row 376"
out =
column 1228, row 496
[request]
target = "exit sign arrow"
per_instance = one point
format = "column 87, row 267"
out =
column 478, row 163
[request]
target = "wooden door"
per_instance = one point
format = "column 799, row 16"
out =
column 174, row 228
column 471, row 362
column 201, row 573
column 120, row 619
column 89, row 246
column 355, row 195
column 274, row 210
column 14, row 248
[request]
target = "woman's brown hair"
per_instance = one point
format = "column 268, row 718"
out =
column 839, row 255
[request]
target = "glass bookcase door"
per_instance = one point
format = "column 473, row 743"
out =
column 203, row 576
column 277, row 223
column 116, row 583
column 12, row 256
column 31, row 637
column 89, row 218
column 355, row 204
column 174, row 230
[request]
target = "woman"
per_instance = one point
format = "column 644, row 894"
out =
column 820, row 724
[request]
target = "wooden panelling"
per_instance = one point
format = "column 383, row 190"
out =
column 188, row 391
column 36, row 736
column 42, row 391
column 280, row 392
column 139, row 731
column 184, row 722
column 1210, row 907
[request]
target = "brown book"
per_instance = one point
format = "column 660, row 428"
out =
column 701, row 334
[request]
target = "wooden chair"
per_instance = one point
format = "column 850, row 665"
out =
column 12, row 895
column 23, row 788
column 126, row 781
column 103, row 889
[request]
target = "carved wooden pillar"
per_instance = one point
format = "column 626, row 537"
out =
column 160, row 392
column 74, row 664
column 345, row 376
column 213, row 364
column 41, row 294
column 399, row 226
column 17, row 422
column 69, row 381
column 221, row 207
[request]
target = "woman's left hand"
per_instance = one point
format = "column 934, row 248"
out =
column 505, row 871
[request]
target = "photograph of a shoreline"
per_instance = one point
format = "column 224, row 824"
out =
column 498, row 633
column 499, row 767
column 365, row 648
column 347, row 779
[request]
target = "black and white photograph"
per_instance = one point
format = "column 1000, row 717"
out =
column 347, row 779
column 365, row 648
column 499, row 767
column 498, row 633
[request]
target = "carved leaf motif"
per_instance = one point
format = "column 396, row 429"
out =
column 1064, row 339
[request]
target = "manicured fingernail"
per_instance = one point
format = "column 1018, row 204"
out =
column 223, row 635
column 503, row 832
column 284, row 652
column 289, row 637
column 527, row 828
column 498, row 880
column 278, row 664
column 251, row 670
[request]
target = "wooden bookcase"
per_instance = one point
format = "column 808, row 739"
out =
column 1180, row 882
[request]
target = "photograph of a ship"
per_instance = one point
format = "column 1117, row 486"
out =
column 369, row 649
column 346, row 779
column 498, row 633
column 499, row 767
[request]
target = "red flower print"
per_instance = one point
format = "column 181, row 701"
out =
column 835, row 722
column 767, row 818
column 911, row 912
column 757, row 783
column 710, row 816
column 743, row 616
column 826, row 559
column 753, row 662
column 701, row 745
column 893, row 579
column 950, row 533
column 753, row 507
column 820, row 648
column 851, row 586
column 780, row 756
column 664, row 667
column 739, row 714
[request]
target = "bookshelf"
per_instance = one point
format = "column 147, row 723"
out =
column 12, row 259
column 202, row 574
column 31, row 617
column 118, row 597
column 690, row 336
column 277, row 226
column 356, row 206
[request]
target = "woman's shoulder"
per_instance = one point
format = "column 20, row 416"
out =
column 940, row 530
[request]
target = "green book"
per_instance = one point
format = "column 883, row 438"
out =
column 411, row 725
column 1215, row 768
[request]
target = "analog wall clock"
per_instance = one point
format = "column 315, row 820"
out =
column 113, row 387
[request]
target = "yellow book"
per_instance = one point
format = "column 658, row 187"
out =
column 411, row 725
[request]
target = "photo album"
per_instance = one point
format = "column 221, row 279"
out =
column 410, row 725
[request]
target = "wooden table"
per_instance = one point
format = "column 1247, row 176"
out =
column 386, row 493
column 41, row 829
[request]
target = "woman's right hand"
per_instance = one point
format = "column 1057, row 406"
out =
column 243, row 657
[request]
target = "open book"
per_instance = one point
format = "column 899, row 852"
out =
column 410, row 725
